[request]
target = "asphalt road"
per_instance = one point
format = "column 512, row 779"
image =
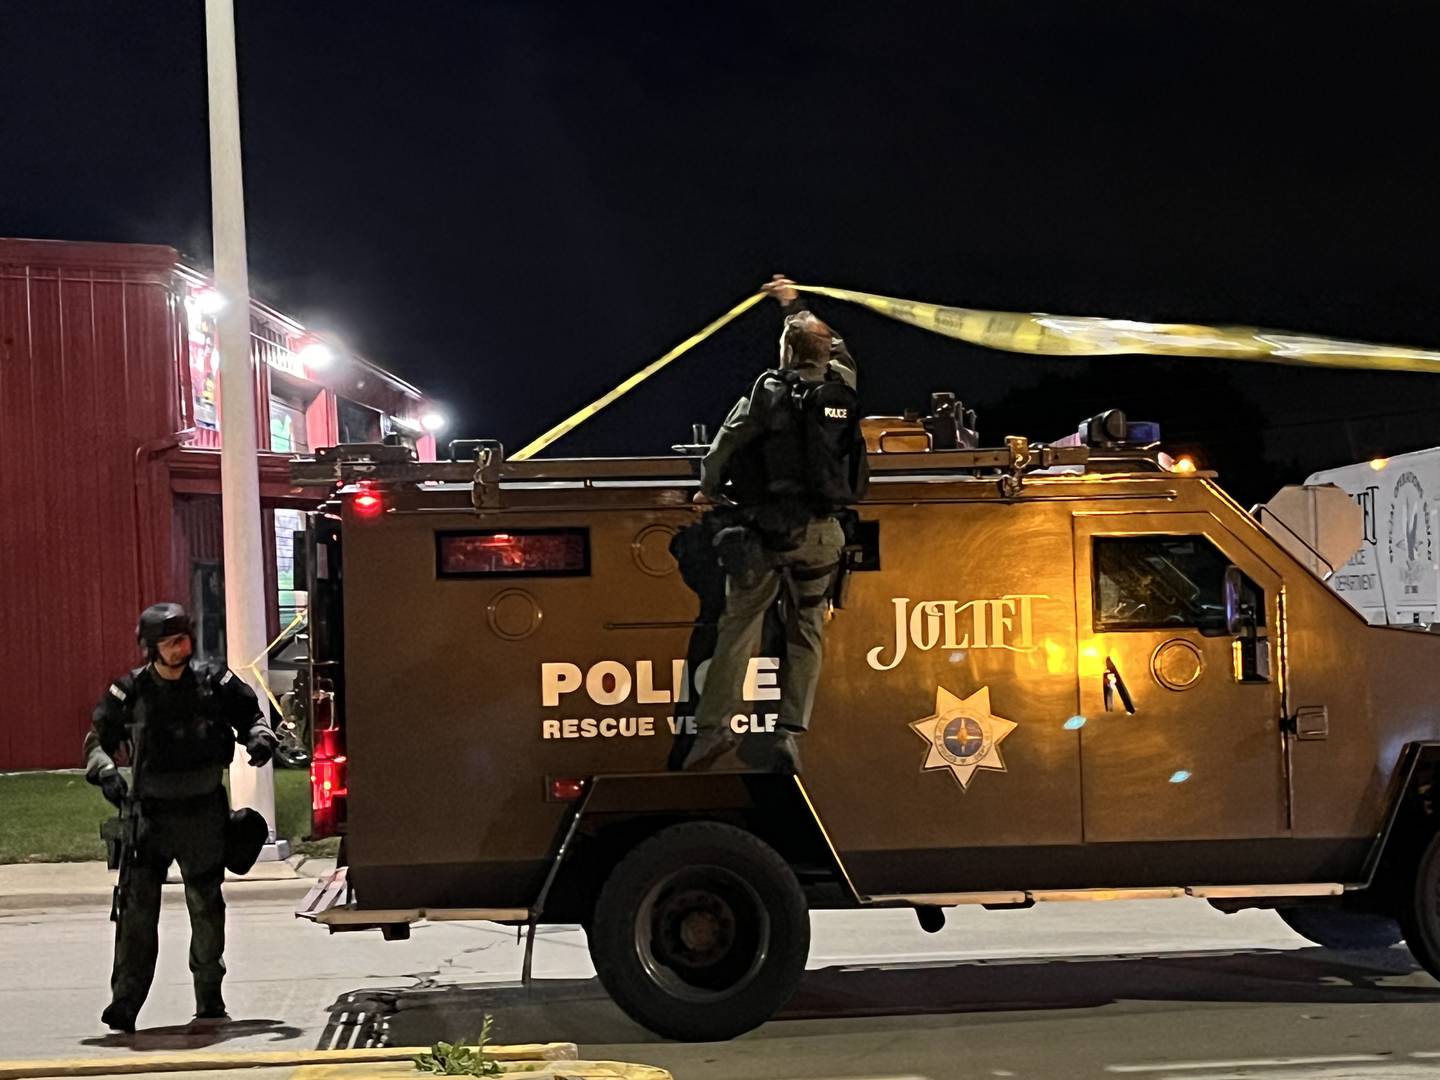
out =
column 1151, row 990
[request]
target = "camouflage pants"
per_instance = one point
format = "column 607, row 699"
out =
column 192, row 833
column 807, row 572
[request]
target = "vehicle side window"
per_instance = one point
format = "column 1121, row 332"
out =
column 1163, row 582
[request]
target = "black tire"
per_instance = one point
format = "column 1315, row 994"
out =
column 701, row 932
column 1420, row 909
column 1339, row 928
column 292, row 757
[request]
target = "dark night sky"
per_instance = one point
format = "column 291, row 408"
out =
column 515, row 204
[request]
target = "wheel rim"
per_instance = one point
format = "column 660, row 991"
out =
column 702, row 933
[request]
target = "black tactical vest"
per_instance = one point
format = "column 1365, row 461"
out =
column 183, row 726
column 812, row 452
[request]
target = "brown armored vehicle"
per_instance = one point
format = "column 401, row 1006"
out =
column 1053, row 672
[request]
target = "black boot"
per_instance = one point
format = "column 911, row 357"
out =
column 773, row 752
column 210, row 1008
column 119, row 1017
column 708, row 748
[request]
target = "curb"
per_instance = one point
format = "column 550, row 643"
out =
column 290, row 888
column 257, row 1059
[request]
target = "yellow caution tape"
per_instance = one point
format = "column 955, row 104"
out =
column 1081, row 335
column 574, row 421
column 254, row 666
column 1062, row 335
column 264, row 685
column 296, row 621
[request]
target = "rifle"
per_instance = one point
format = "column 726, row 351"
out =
column 122, row 833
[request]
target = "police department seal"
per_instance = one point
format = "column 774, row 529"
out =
column 1410, row 544
column 963, row 735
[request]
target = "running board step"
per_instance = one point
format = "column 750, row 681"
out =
column 1046, row 896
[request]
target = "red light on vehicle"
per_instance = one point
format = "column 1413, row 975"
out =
column 328, row 744
column 327, row 783
column 368, row 504
column 566, row 788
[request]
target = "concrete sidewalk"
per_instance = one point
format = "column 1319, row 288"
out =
column 30, row 886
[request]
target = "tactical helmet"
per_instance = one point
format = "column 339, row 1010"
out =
column 246, row 833
column 159, row 621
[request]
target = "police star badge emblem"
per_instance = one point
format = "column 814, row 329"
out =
column 963, row 735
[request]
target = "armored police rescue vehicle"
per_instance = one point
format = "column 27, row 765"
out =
column 1053, row 672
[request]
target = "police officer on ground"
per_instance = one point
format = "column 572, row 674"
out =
column 180, row 723
column 789, row 476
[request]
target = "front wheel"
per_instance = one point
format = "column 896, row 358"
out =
column 1338, row 928
column 701, row 932
column 1420, row 909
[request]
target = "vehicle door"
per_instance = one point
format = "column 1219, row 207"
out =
column 1180, row 713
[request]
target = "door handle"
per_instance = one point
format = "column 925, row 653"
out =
column 1114, row 685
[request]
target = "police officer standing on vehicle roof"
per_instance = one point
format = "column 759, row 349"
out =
column 790, row 456
column 180, row 722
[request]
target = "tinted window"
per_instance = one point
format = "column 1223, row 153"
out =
column 1162, row 582
column 532, row 552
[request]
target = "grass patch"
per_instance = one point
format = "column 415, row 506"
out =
column 50, row 817
column 55, row 817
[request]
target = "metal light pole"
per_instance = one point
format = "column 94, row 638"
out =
column 239, row 468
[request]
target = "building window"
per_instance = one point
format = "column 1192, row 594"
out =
column 289, row 399
column 358, row 423
column 287, row 427
column 292, row 596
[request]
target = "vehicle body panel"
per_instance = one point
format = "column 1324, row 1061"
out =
column 456, row 724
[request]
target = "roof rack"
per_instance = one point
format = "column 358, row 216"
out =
column 353, row 463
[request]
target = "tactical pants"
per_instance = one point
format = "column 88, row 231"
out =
column 192, row 833
column 807, row 572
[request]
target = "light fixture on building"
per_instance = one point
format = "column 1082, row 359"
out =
column 209, row 301
column 433, row 421
column 314, row 353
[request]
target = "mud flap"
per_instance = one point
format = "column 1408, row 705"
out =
column 329, row 891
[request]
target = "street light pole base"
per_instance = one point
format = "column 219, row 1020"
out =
column 275, row 851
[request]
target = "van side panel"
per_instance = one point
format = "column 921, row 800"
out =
column 943, row 720
column 1380, row 688
column 945, row 752
column 449, row 733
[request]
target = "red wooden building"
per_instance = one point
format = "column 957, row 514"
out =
column 110, row 466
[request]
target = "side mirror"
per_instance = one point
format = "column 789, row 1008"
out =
column 1236, row 616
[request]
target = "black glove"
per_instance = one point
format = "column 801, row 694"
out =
column 113, row 787
column 261, row 749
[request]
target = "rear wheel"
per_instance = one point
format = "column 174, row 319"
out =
column 1339, row 928
column 1420, row 909
column 701, row 932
